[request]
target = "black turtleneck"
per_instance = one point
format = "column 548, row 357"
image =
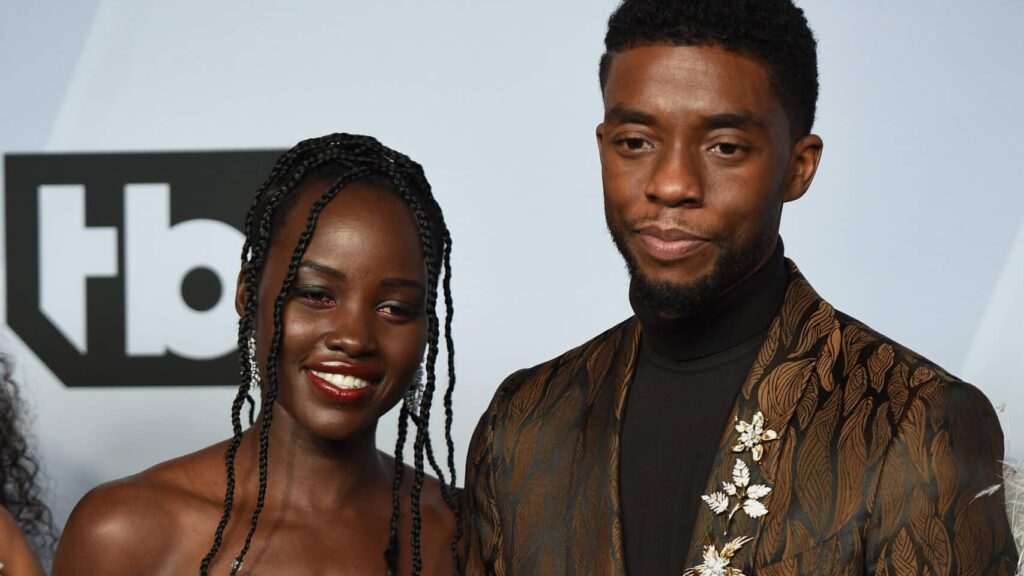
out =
column 688, row 374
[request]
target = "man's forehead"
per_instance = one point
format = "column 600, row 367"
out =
column 707, row 80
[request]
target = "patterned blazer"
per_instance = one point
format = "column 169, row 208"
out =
column 879, row 462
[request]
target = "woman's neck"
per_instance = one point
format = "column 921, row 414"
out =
column 305, row 471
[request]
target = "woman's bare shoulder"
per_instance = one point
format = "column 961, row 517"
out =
column 15, row 552
column 124, row 526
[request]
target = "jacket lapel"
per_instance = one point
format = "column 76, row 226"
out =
column 609, row 371
column 794, row 359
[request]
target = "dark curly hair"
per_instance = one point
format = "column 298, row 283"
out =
column 20, row 492
column 774, row 32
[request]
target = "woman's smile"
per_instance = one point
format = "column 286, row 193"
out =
column 339, row 387
column 342, row 381
column 353, row 329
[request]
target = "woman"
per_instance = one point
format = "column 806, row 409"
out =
column 25, row 524
column 344, row 251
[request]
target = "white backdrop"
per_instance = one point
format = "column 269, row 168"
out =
column 915, row 223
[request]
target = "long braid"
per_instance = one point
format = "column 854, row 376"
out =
column 391, row 553
column 253, row 254
column 422, row 418
column 229, row 494
column 423, row 410
column 428, row 449
column 449, row 412
column 282, row 165
column 421, row 435
column 362, row 157
column 275, row 345
column 426, row 234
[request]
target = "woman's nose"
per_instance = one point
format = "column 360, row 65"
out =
column 352, row 332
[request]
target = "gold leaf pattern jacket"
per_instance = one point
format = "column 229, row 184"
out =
column 877, row 468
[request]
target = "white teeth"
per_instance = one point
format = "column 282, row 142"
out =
column 341, row 380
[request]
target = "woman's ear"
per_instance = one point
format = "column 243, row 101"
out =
column 240, row 298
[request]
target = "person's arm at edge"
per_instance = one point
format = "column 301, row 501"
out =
column 15, row 552
column 481, row 520
column 934, row 505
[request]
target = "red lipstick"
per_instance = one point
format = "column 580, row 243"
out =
column 342, row 382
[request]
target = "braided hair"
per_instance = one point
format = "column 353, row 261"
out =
column 343, row 159
column 20, row 492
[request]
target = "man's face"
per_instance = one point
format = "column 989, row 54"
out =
column 697, row 159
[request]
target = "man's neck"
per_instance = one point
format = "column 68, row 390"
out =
column 739, row 314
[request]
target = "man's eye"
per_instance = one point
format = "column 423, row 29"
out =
column 633, row 144
column 727, row 149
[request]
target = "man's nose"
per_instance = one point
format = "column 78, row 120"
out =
column 676, row 180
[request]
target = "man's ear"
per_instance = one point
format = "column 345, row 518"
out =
column 240, row 299
column 803, row 163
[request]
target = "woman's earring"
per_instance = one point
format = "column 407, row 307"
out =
column 254, row 368
column 414, row 396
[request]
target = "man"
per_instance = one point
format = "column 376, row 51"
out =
column 738, row 424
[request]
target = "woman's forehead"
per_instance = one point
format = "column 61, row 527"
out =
column 362, row 223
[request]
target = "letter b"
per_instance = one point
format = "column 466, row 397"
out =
column 158, row 256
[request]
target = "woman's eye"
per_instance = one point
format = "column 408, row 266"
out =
column 397, row 311
column 315, row 296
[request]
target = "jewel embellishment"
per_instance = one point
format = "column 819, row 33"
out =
column 254, row 368
column 752, row 436
column 747, row 495
column 737, row 495
column 716, row 563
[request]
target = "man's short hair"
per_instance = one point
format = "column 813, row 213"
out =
column 775, row 32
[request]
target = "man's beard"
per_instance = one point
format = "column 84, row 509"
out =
column 686, row 300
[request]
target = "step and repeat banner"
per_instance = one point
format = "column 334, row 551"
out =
column 120, row 268
column 134, row 133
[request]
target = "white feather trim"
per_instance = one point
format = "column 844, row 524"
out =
column 1013, row 479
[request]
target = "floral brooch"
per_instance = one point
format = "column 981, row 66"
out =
column 737, row 495
column 747, row 495
column 753, row 436
column 716, row 563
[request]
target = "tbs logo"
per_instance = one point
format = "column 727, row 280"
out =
column 121, row 268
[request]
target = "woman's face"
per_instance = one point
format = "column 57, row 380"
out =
column 354, row 325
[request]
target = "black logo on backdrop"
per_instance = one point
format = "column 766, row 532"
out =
column 121, row 268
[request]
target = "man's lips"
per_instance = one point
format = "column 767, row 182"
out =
column 665, row 243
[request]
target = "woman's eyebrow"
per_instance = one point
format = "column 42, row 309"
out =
column 404, row 283
column 335, row 273
column 323, row 269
